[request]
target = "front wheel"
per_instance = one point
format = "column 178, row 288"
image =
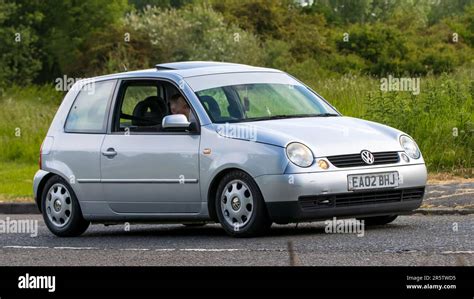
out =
column 240, row 206
column 379, row 220
column 61, row 211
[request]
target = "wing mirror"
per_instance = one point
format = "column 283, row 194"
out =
column 175, row 121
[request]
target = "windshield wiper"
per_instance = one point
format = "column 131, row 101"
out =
column 281, row 116
column 325, row 114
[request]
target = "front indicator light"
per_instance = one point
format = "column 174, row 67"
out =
column 323, row 164
column 405, row 158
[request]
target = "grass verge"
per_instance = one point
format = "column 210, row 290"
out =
column 16, row 181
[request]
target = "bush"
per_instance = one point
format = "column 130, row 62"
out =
column 278, row 54
column 194, row 33
column 383, row 47
column 112, row 51
column 66, row 27
column 282, row 20
column 19, row 61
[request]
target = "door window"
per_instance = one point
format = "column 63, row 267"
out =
column 142, row 105
column 142, row 108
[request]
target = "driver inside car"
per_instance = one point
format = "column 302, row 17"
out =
column 178, row 105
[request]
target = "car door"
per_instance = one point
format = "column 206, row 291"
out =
column 143, row 168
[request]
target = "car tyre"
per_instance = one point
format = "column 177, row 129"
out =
column 240, row 206
column 60, row 208
column 379, row 220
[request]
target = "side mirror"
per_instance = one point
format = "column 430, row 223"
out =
column 175, row 121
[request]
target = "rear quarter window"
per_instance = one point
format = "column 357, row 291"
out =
column 89, row 110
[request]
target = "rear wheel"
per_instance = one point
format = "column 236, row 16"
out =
column 379, row 220
column 61, row 211
column 240, row 206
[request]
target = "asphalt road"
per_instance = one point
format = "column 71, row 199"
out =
column 409, row 241
column 451, row 195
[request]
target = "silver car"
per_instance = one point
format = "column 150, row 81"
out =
column 198, row 142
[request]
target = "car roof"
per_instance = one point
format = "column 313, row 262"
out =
column 187, row 69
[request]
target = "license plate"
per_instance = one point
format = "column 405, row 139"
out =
column 372, row 181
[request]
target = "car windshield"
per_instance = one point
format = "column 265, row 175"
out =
column 249, row 101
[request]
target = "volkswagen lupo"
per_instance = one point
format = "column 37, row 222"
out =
column 199, row 142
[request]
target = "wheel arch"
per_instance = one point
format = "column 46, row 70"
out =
column 211, row 193
column 41, row 186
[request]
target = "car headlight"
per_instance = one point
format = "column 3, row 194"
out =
column 410, row 147
column 299, row 154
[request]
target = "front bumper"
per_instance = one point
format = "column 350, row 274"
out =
column 320, row 195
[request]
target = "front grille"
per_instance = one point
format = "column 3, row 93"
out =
column 354, row 160
column 360, row 198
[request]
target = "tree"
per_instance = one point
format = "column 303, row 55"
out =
column 19, row 61
column 443, row 9
column 382, row 46
column 194, row 33
column 342, row 11
column 281, row 20
column 66, row 26
column 142, row 4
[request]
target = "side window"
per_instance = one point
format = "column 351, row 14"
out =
column 132, row 97
column 88, row 113
column 142, row 107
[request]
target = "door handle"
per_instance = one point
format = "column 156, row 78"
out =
column 110, row 152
